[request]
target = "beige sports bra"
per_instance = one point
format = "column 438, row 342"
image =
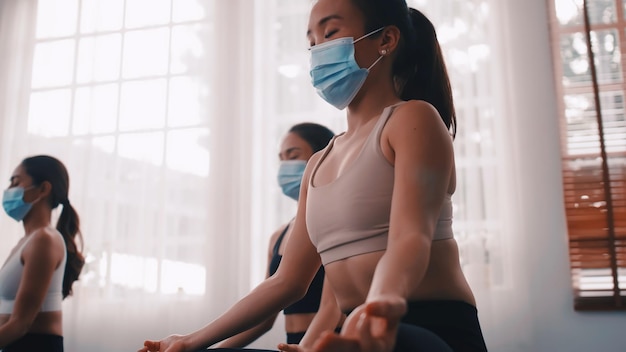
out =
column 350, row 215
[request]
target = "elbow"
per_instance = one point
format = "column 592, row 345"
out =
column 267, row 325
column 297, row 292
column 18, row 327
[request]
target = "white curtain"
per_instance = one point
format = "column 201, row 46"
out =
column 169, row 122
column 151, row 111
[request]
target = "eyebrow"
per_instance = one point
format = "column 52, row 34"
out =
column 288, row 151
column 323, row 21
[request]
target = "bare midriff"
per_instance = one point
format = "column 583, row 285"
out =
column 44, row 323
column 443, row 280
column 298, row 322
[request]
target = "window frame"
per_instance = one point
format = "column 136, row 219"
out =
column 594, row 188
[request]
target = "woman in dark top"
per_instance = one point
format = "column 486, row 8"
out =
column 298, row 145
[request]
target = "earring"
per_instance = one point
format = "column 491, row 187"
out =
column 383, row 52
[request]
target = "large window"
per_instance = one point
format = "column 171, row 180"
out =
column 128, row 89
column 588, row 41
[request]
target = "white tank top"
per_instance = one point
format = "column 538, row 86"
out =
column 11, row 275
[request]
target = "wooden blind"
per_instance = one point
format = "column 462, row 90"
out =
column 589, row 52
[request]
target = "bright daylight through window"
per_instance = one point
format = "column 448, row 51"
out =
column 127, row 88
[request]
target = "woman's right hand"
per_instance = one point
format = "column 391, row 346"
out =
column 172, row 343
column 371, row 327
column 283, row 347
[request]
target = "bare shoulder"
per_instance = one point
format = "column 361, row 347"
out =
column 416, row 123
column 313, row 160
column 43, row 240
column 418, row 114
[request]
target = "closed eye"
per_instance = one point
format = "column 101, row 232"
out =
column 330, row 34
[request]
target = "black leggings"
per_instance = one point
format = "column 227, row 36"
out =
column 446, row 326
column 434, row 326
column 36, row 342
column 294, row 338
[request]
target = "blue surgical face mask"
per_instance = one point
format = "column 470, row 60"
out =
column 290, row 177
column 334, row 72
column 14, row 204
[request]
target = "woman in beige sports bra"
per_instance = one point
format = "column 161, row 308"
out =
column 40, row 271
column 375, row 205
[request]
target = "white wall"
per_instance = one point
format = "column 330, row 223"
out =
column 554, row 326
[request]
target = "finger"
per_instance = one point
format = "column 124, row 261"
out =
column 288, row 347
column 151, row 346
column 386, row 309
column 350, row 325
column 336, row 343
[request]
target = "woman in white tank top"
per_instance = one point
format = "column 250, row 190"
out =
column 40, row 270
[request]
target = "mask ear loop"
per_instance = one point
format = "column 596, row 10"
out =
column 375, row 62
column 368, row 34
column 28, row 189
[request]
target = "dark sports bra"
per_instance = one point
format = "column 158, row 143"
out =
column 310, row 303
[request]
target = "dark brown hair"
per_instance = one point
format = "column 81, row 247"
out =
column 315, row 134
column 419, row 70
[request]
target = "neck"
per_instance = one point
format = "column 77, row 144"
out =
column 37, row 217
column 369, row 104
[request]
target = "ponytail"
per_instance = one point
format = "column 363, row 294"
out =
column 69, row 226
column 421, row 73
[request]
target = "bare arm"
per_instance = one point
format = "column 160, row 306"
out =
column 422, row 152
column 247, row 337
column 41, row 256
column 327, row 317
column 298, row 267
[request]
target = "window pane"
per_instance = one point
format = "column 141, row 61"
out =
column 56, row 18
column 49, row 113
column 582, row 126
column 188, row 100
column 53, row 64
column 142, row 105
column 294, row 90
column 95, row 109
column 182, row 278
column 146, row 52
column 101, row 15
column 106, row 144
column 575, row 59
column 131, row 271
column 99, row 58
column 570, row 12
column 576, row 69
column 146, row 147
column 188, row 49
column 191, row 10
column 607, row 55
column 141, row 13
column 188, row 151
